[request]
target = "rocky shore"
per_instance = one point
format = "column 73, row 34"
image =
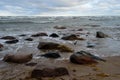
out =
column 66, row 54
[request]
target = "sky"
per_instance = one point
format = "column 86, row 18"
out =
column 59, row 7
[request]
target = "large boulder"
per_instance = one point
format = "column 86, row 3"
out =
column 71, row 37
column 8, row 37
column 84, row 57
column 39, row 34
column 51, row 55
column 54, row 46
column 54, row 35
column 17, row 58
column 39, row 72
column 12, row 41
column 100, row 34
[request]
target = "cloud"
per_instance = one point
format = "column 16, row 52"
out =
column 59, row 7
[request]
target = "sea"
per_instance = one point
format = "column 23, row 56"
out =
column 16, row 25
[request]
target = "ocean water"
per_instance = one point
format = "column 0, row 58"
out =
column 16, row 25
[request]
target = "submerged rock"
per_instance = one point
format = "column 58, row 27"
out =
column 29, row 39
column 84, row 57
column 39, row 34
column 101, row 35
column 51, row 55
column 22, row 35
column 1, row 47
column 12, row 41
column 91, row 45
column 54, row 35
column 71, row 37
column 17, row 58
column 60, row 27
column 54, row 46
column 8, row 37
column 49, row 72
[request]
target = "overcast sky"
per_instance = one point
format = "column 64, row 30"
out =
column 59, row 7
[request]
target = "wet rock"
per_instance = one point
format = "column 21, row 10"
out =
column 39, row 34
column 91, row 45
column 1, row 47
column 22, row 35
column 12, row 41
column 84, row 57
column 8, row 37
column 54, row 35
column 17, row 58
column 60, row 27
column 29, row 39
column 54, row 46
column 72, row 37
column 49, row 72
column 80, row 29
column 101, row 35
column 51, row 55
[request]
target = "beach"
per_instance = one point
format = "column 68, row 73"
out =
column 25, row 40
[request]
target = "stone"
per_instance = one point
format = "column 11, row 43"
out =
column 39, row 34
column 101, row 35
column 54, row 46
column 49, row 72
column 54, row 35
column 91, row 45
column 8, row 37
column 51, row 55
column 84, row 57
column 29, row 39
column 12, row 41
column 17, row 58
column 72, row 37
column 31, row 64
column 22, row 35
column 60, row 27
column 1, row 47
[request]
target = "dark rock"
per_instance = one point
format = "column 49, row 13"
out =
column 53, row 46
column 72, row 37
column 49, row 72
column 51, row 55
column 80, row 29
column 54, row 35
column 84, row 57
column 60, row 27
column 39, row 34
column 17, row 58
column 91, row 45
column 12, row 41
column 1, row 47
column 101, row 35
column 31, row 64
column 22, row 35
column 29, row 39
column 8, row 37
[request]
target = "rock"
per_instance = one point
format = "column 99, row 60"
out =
column 12, row 41
column 29, row 39
column 60, row 27
column 72, row 37
column 91, row 45
column 39, row 34
column 17, row 58
column 8, row 37
column 51, row 55
column 54, row 35
column 49, row 72
column 101, row 35
column 22, row 35
column 84, row 57
column 80, row 29
column 54, row 46
column 1, row 47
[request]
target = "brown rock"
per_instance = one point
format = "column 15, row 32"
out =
column 54, row 46
column 39, row 34
column 101, row 35
column 17, row 58
column 49, row 72
column 60, row 27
